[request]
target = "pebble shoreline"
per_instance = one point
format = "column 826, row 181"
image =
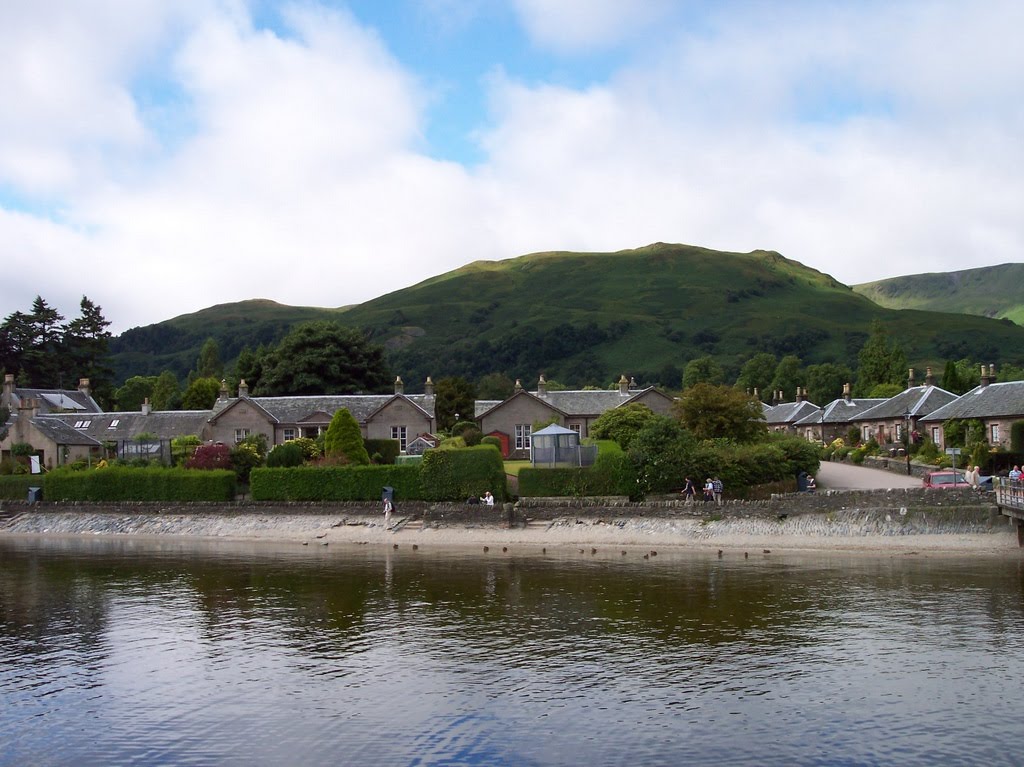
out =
column 852, row 529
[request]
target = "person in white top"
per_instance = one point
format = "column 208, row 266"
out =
column 488, row 499
column 1015, row 473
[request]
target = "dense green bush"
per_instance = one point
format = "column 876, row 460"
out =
column 14, row 487
column 1017, row 437
column 491, row 440
column 334, row 483
column 388, row 449
column 149, row 484
column 287, row 455
column 449, row 475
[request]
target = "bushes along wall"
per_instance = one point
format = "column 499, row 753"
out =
column 334, row 483
column 116, row 483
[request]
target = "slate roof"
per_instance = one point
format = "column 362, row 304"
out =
column 919, row 401
column 590, row 402
column 288, row 410
column 165, row 424
column 789, row 412
column 841, row 410
column 992, row 401
column 56, row 429
column 51, row 400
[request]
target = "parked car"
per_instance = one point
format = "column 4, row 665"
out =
column 945, row 479
column 949, row 478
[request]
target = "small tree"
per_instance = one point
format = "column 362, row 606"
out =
column 711, row 412
column 343, row 441
column 622, row 424
column 286, row 455
column 183, row 447
column 210, row 457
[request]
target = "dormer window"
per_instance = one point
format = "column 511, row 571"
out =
column 82, row 424
column 114, row 423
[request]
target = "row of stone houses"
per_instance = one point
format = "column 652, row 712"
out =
column 68, row 425
column 920, row 410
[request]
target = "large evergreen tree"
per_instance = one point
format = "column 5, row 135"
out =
column 881, row 361
column 453, row 395
column 323, row 358
column 86, row 342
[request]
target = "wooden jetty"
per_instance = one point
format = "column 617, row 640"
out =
column 1010, row 500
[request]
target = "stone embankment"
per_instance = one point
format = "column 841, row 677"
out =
column 797, row 517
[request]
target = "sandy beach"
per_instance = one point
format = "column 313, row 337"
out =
column 854, row 532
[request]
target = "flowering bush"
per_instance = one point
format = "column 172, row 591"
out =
column 210, row 457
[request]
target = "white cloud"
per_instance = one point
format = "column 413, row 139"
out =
column 582, row 25
column 865, row 143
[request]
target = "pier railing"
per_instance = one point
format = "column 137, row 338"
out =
column 1010, row 500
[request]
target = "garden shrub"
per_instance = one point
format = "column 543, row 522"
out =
column 183, row 447
column 449, row 475
column 343, row 441
column 334, row 483
column 149, row 484
column 286, row 455
column 213, row 456
column 491, row 440
column 1017, row 437
column 611, row 474
column 387, row 449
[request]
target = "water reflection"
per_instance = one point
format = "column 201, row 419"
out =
column 181, row 653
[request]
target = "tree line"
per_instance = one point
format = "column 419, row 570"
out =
column 44, row 350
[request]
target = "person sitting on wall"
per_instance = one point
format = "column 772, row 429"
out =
column 488, row 499
column 811, row 484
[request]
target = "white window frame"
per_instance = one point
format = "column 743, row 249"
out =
column 289, row 434
column 241, row 434
column 578, row 428
column 400, row 433
column 523, row 434
column 994, row 434
column 935, row 435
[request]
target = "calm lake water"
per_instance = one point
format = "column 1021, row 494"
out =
column 159, row 653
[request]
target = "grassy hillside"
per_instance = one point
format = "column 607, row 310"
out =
column 990, row 291
column 586, row 318
column 174, row 344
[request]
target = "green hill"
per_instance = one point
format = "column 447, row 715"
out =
column 174, row 344
column 586, row 318
column 989, row 291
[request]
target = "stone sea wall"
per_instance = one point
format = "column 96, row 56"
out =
column 824, row 514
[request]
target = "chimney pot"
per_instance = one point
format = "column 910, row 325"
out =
column 428, row 387
column 623, row 385
column 243, row 388
column 399, row 386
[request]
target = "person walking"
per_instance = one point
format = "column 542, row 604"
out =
column 689, row 493
column 709, row 490
column 718, row 488
column 388, row 508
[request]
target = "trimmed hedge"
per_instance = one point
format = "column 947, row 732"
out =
column 453, row 475
column 334, row 483
column 117, row 483
column 611, row 474
column 14, row 487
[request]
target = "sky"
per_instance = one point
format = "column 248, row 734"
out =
column 163, row 156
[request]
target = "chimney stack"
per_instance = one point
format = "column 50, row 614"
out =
column 623, row 385
column 428, row 387
column 846, row 392
column 757, row 394
column 518, row 387
column 910, row 379
column 243, row 389
column 542, row 386
column 929, row 379
column 9, row 389
column 399, row 386
column 223, row 390
column 992, row 373
column 83, row 386
column 146, row 407
column 985, row 380
column 632, row 383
